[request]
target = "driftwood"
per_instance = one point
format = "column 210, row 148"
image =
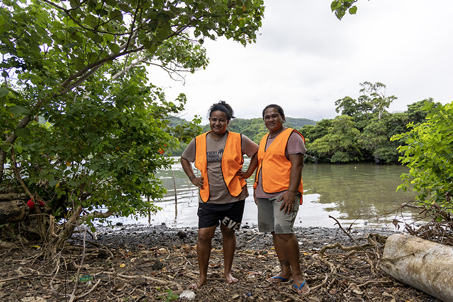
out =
column 423, row 264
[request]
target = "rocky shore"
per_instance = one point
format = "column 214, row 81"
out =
column 248, row 237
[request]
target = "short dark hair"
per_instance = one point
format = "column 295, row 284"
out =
column 279, row 109
column 224, row 107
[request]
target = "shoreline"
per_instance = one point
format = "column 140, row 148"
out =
column 247, row 238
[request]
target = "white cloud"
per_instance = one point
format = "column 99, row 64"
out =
column 305, row 59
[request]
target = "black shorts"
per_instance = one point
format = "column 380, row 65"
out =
column 230, row 214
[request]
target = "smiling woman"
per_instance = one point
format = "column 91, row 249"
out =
column 218, row 154
column 278, row 192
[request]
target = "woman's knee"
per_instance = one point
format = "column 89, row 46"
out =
column 284, row 237
column 205, row 235
column 227, row 232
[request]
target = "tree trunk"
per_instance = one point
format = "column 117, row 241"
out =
column 423, row 264
column 13, row 210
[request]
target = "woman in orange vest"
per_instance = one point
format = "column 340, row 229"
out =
column 279, row 190
column 218, row 155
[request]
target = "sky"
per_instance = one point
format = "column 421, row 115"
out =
column 305, row 59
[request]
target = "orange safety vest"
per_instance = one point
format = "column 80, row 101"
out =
column 232, row 161
column 275, row 168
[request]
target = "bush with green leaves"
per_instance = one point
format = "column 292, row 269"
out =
column 80, row 118
column 428, row 154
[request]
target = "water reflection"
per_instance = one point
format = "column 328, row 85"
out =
column 359, row 191
column 363, row 194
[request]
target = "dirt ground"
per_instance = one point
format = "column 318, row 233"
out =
column 158, row 264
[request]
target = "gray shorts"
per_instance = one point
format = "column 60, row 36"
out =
column 271, row 219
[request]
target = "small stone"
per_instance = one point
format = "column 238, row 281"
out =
column 181, row 234
column 157, row 266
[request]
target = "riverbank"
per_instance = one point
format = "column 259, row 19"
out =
column 248, row 237
column 158, row 263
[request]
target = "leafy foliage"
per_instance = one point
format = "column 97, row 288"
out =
column 77, row 110
column 340, row 143
column 255, row 129
column 427, row 152
column 340, row 7
column 370, row 128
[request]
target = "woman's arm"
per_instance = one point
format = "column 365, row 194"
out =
column 297, row 163
column 187, row 167
column 252, row 166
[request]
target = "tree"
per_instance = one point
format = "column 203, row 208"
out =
column 375, row 137
column 81, row 68
column 373, row 95
column 347, row 106
column 340, row 144
column 53, row 48
column 427, row 153
column 319, row 130
column 415, row 111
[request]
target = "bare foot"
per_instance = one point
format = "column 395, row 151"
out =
column 197, row 284
column 303, row 289
column 230, row 279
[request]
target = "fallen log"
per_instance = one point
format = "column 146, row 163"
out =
column 423, row 264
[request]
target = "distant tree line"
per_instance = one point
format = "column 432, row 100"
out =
column 364, row 129
column 252, row 128
column 362, row 132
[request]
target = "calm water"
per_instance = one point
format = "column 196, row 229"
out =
column 363, row 194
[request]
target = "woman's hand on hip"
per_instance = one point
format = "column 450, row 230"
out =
column 287, row 200
column 198, row 182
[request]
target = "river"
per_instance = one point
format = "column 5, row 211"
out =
column 362, row 194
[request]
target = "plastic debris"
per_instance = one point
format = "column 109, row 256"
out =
column 187, row 294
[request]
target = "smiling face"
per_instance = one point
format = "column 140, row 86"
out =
column 273, row 120
column 218, row 122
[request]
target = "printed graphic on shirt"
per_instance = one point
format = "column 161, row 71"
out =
column 214, row 156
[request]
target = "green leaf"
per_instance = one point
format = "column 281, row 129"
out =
column 74, row 3
column 22, row 132
column 353, row 10
column 163, row 32
column 70, row 45
column 6, row 148
column 18, row 110
column 335, row 5
column 73, row 183
column 114, row 48
column 116, row 15
column 53, row 183
column 3, row 92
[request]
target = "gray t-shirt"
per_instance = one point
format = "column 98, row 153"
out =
column 295, row 145
column 218, row 191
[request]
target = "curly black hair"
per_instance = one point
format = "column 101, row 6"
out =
column 224, row 107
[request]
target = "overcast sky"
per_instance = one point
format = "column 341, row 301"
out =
column 305, row 59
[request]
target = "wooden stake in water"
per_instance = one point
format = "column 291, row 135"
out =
column 149, row 213
column 176, row 195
